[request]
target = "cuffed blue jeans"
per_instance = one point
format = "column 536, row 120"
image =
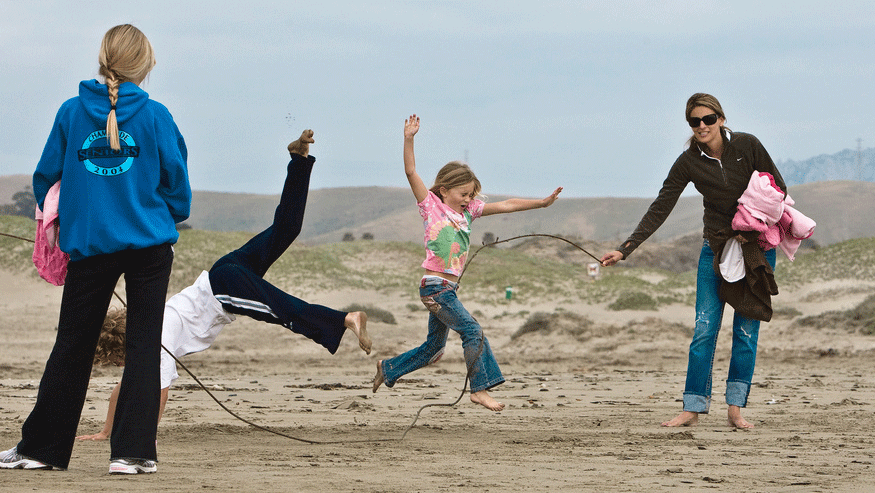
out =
column 745, row 333
column 447, row 312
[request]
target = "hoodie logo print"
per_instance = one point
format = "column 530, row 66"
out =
column 96, row 149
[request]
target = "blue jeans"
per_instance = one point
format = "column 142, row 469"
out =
column 709, row 315
column 447, row 312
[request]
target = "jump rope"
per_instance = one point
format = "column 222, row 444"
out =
column 416, row 417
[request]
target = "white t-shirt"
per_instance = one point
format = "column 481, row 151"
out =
column 193, row 319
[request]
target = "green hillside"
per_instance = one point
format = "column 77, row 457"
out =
column 393, row 267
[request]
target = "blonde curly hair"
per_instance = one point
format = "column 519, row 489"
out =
column 111, row 343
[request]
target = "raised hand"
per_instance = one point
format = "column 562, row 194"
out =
column 411, row 126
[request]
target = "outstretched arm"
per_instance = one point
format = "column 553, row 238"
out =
column 110, row 415
column 420, row 191
column 611, row 258
column 515, row 205
column 165, row 392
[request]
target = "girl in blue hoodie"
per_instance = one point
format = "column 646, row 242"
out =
column 122, row 166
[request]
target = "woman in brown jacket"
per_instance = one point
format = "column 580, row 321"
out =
column 719, row 163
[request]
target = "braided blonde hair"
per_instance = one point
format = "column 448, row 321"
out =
column 125, row 56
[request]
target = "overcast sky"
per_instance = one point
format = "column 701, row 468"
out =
column 588, row 95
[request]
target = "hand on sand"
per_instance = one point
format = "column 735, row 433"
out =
column 301, row 146
column 357, row 322
column 97, row 437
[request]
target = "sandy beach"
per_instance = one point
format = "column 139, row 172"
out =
column 584, row 405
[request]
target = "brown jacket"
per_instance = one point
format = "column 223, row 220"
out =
column 751, row 296
column 720, row 183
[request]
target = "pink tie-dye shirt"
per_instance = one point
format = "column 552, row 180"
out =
column 447, row 234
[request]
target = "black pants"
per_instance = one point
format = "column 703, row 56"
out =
column 237, row 278
column 49, row 432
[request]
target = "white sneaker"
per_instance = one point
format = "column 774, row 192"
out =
column 11, row 459
column 132, row 466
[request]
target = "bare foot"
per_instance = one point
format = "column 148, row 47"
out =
column 301, row 146
column 378, row 378
column 357, row 322
column 736, row 421
column 485, row 400
column 686, row 418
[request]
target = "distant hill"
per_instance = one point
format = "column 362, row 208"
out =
column 857, row 165
column 842, row 209
column 12, row 184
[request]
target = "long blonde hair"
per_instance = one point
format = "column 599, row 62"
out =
column 454, row 174
column 125, row 56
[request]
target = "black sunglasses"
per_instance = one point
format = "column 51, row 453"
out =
column 708, row 119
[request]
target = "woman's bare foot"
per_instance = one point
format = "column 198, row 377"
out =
column 378, row 378
column 485, row 400
column 301, row 146
column 736, row 421
column 357, row 322
column 686, row 418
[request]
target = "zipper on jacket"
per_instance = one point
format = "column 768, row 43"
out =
column 720, row 164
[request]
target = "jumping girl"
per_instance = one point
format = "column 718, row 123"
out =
column 448, row 209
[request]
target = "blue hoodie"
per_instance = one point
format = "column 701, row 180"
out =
column 114, row 201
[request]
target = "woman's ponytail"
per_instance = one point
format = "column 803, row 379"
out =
column 125, row 56
column 111, row 120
